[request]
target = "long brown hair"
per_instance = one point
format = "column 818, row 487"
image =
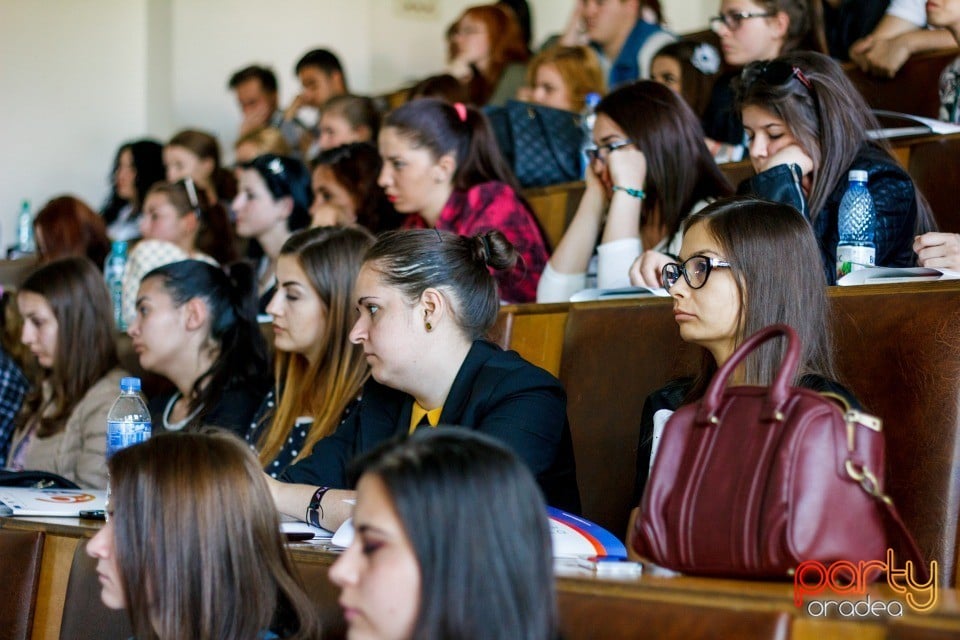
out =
column 331, row 259
column 215, row 235
column 78, row 297
column 198, row 542
column 830, row 120
column 755, row 237
column 680, row 169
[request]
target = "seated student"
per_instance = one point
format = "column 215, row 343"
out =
column 689, row 69
column 66, row 227
column 256, row 92
column 192, row 545
column 259, row 142
column 900, row 34
column 487, row 53
column 441, row 165
column 177, row 224
column 137, row 166
column 321, row 78
column 624, row 33
column 347, row 119
column 561, row 77
column 807, row 128
column 745, row 264
column 345, row 189
column 68, row 325
column 426, row 300
column 196, row 325
column 464, row 528
column 649, row 169
column 273, row 202
column 319, row 373
column 752, row 30
column 196, row 154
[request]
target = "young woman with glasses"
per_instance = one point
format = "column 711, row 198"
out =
column 649, row 169
column 807, row 128
column 752, row 30
column 744, row 264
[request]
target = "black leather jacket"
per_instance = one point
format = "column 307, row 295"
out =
column 894, row 198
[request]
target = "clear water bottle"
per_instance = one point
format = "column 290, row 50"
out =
column 113, row 273
column 25, row 243
column 128, row 422
column 856, row 249
column 587, row 118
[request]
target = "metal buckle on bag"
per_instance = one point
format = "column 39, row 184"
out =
column 852, row 418
column 867, row 480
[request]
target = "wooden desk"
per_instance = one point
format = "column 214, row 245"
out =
column 643, row 607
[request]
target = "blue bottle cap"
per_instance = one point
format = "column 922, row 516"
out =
column 130, row 384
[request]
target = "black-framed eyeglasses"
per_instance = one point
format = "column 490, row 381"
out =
column 603, row 151
column 695, row 270
column 732, row 20
column 774, row 72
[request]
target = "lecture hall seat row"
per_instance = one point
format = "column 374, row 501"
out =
column 897, row 348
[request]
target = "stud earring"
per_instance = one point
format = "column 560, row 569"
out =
column 428, row 326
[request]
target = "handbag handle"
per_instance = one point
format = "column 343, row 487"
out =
column 710, row 405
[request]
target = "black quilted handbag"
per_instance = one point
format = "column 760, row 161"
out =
column 541, row 144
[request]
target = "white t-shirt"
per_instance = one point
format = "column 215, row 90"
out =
column 913, row 11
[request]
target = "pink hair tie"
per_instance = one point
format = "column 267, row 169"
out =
column 461, row 110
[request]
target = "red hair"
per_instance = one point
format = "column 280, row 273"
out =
column 506, row 42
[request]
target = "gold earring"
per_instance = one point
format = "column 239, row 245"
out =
column 428, row 326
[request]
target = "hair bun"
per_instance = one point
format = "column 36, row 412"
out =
column 494, row 250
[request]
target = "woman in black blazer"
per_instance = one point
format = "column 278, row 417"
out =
column 426, row 299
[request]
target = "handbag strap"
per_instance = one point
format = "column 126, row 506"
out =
column 869, row 483
column 779, row 390
column 913, row 551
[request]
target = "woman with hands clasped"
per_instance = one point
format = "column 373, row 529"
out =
column 425, row 300
column 649, row 169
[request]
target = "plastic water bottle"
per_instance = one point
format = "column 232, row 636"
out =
column 587, row 118
column 856, row 249
column 25, row 244
column 128, row 422
column 113, row 273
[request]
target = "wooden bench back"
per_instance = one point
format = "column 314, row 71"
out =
column 897, row 349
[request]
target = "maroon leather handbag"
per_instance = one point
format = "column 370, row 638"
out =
column 751, row 481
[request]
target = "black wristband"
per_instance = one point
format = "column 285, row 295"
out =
column 314, row 510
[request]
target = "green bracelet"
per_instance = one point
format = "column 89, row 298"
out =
column 636, row 193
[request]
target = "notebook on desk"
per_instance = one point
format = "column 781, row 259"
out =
column 67, row 503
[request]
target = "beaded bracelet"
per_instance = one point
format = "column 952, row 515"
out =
column 314, row 510
column 636, row 193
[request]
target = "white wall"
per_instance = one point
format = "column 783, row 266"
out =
column 72, row 77
column 81, row 76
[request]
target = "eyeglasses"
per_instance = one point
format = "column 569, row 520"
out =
column 775, row 72
column 603, row 151
column 732, row 20
column 695, row 271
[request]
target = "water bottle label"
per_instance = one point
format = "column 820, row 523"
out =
column 124, row 434
column 853, row 258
